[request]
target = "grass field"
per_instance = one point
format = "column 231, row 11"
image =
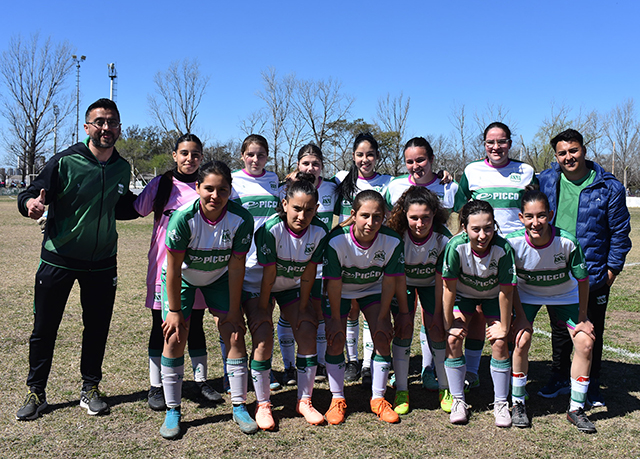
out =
column 131, row 430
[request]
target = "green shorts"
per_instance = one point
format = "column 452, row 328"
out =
column 467, row 306
column 427, row 297
column 216, row 296
column 286, row 297
column 345, row 304
column 316, row 290
column 567, row 313
column 246, row 296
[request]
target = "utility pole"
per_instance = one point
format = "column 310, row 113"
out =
column 78, row 60
column 112, row 75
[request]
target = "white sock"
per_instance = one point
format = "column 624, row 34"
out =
column 223, row 351
column 367, row 346
column 427, row 356
column 518, row 384
column 155, row 371
column 351, row 345
column 456, row 369
column 199, row 365
column 261, row 381
column 500, row 374
column 287, row 343
column 401, row 349
column 335, row 373
column 321, row 343
column 172, row 374
column 380, row 375
column 306, row 374
column 439, row 353
column 579, row 389
column 237, row 372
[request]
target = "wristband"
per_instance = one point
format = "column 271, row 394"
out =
column 171, row 310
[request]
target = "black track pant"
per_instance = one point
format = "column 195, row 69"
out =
column 97, row 294
column 561, row 341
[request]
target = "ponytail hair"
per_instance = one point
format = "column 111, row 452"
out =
column 347, row 189
column 532, row 193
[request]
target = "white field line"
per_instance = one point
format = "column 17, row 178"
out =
column 615, row 350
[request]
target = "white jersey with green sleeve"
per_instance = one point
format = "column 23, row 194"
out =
column 208, row 245
column 397, row 186
column 502, row 187
column 423, row 259
column 376, row 182
column 259, row 195
column 327, row 198
column 549, row 275
column 290, row 252
column 361, row 268
column 478, row 277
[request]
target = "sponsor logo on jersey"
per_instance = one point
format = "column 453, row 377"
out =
column 380, row 256
column 175, row 237
column 249, row 205
column 559, row 258
column 226, row 235
column 210, row 259
column 420, row 271
column 326, row 200
column 265, row 250
column 296, row 270
column 515, row 177
column 504, row 196
column 309, row 248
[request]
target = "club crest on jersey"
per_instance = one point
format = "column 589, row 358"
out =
column 274, row 185
column 265, row 250
column 401, row 260
column 559, row 258
column 120, row 188
column 380, row 255
column 326, row 200
column 515, row 177
column 226, row 236
column 309, row 248
column 433, row 253
column 175, row 237
column 493, row 265
column 246, row 239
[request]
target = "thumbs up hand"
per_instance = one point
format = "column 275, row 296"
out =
column 35, row 206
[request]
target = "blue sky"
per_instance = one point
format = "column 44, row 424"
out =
column 522, row 55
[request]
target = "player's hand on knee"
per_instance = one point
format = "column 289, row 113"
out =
column 584, row 327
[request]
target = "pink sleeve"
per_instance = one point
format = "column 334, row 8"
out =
column 144, row 202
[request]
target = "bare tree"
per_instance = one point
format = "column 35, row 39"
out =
column 392, row 115
column 179, row 92
column 623, row 131
column 463, row 144
column 539, row 153
column 34, row 75
column 321, row 104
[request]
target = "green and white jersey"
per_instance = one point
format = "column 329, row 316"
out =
column 479, row 277
column 361, row 268
column 544, row 273
column 290, row 252
column 376, row 182
column 502, row 187
column 327, row 199
column 423, row 259
column 208, row 245
column 400, row 184
column 259, row 195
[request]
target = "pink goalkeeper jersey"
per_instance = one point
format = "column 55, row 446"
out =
column 181, row 193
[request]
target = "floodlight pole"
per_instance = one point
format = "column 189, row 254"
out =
column 78, row 60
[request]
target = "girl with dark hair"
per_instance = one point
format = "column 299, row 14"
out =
column 207, row 241
column 551, row 271
column 419, row 218
column 363, row 262
column 361, row 176
column 310, row 161
column 162, row 196
column 478, row 269
column 500, row 181
column 290, row 245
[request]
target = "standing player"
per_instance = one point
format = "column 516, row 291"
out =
column 551, row 271
column 86, row 188
column 362, row 261
column 500, row 181
column 207, row 242
column 478, row 269
column 162, row 196
column 419, row 217
column 361, row 176
column 289, row 246
column 418, row 158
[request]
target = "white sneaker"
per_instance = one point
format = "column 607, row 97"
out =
column 459, row 413
column 501, row 413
